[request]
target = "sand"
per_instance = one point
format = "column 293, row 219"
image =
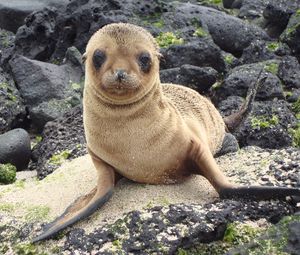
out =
column 78, row 177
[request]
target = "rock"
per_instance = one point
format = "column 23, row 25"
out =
column 19, row 9
column 289, row 72
column 293, row 242
column 277, row 14
column 7, row 47
column 259, row 51
column 291, row 35
column 15, row 148
column 242, row 77
column 64, row 134
column 200, row 79
column 267, row 126
column 47, row 89
column 230, row 105
column 229, row 33
column 12, row 110
column 252, row 9
column 199, row 53
column 36, row 39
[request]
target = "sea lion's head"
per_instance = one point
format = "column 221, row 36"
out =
column 122, row 63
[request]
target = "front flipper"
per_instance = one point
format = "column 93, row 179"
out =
column 85, row 205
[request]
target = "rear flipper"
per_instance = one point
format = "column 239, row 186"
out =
column 258, row 192
column 85, row 205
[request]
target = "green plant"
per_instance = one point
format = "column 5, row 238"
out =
column 264, row 122
column 59, row 158
column 7, row 173
column 296, row 106
column 295, row 133
column 167, row 39
column 273, row 46
column 37, row 213
column 271, row 68
column 200, row 32
column 229, row 59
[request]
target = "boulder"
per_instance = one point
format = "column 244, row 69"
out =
column 15, row 148
column 63, row 134
column 197, row 78
column 7, row 47
column 198, row 53
column 267, row 126
column 289, row 72
column 19, row 9
column 12, row 110
column 242, row 77
column 291, row 35
column 48, row 90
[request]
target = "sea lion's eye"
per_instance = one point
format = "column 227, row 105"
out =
column 144, row 61
column 99, row 58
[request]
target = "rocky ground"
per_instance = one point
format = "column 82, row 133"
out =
column 217, row 48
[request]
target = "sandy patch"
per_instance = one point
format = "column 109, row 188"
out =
column 78, row 177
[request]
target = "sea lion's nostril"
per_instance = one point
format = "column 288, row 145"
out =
column 120, row 74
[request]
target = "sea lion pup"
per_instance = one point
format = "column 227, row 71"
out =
column 143, row 130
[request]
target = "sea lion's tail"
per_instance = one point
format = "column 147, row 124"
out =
column 234, row 120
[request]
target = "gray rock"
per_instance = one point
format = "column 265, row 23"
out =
column 267, row 126
column 19, row 9
column 15, row 148
column 12, row 110
column 198, row 53
column 289, row 72
column 198, row 78
column 291, row 35
column 43, row 86
column 242, row 77
column 7, row 47
column 64, row 133
column 229, row 33
column 258, row 51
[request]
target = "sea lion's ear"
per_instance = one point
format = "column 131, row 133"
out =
column 83, row 58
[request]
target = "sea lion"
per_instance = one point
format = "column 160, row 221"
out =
column 143, row 130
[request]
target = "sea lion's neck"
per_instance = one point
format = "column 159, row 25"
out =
column 105, row 109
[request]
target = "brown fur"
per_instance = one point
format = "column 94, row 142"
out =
column 146, row 136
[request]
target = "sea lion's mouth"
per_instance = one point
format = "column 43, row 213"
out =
column 120, row 89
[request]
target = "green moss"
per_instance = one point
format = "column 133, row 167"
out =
column 6, row 207
column 159, row 23
column 200, row 32
column 37, row 213
column 20, row 184
column 3, row 85
column 295, row 133
column 298, row 12
column 27, row 249
column 117, row 244
column 76, row 86
column 59, row 158
column 229, row 59
column 296, row 106
column 216, row 85
column 237, row 233
column 287, row 94
column 167, row 39
column 264, row 122
column 273, row 46
column 214, row 2
column 272, row 68
column 36, row 140
column 7, row 173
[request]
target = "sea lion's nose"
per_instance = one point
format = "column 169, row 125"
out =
column 120, row 74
